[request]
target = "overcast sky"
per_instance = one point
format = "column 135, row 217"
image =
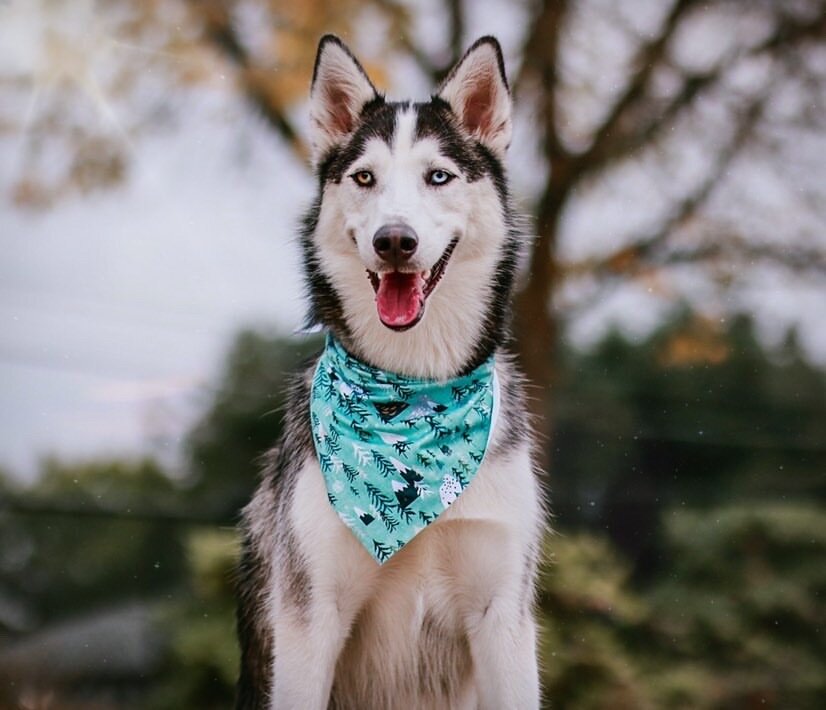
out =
column 117, row 307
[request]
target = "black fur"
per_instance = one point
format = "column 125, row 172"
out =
column 254, row 639
column 282, row 465
column 325, row 304
column 377, row 120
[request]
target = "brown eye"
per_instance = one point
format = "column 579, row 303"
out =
column 363, row 178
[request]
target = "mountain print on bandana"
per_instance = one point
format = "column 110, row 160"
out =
column 396, row 451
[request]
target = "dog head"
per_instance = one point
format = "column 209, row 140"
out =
column 409, row 248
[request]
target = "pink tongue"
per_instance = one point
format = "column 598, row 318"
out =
column 400, row 299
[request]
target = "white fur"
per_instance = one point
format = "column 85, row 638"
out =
column 466, row 570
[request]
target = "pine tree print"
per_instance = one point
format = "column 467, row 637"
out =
column 389, row 521
column 329, row 388
column 461, row 393
column 332, row 441
column 438, row 429
column 384, row 506
column 382, row 551
column 350, row 471
column 361, row 453
column 462, row 471
column 383, row 463
column 466, row 436
column 401, row 391
column 406, row 514
column 354, row 409
column 360, row 431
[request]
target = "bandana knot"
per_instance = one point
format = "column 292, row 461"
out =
column 396, row 451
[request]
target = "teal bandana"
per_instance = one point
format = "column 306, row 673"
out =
column 396, row 451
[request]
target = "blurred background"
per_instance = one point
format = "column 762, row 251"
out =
column 672, row 320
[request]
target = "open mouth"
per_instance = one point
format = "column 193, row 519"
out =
column 401, row 295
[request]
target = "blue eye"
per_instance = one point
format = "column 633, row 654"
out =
column 363, row 178
column 439, row 177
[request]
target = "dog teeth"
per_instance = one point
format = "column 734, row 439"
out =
column 426, row 275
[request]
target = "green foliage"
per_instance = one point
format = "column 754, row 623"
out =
column 202, row 665
column 56, row 563
column 585, row 608
column 698, row 414
column 243, row 420
column 745, row 592
column 734, row 622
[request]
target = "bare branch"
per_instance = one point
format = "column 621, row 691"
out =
column 646, row 248
column 541, row 59
column 789, row 32
column 735, row 249
column 457, row 30
column 648, row 58
column 220, row 31
column 426, row 64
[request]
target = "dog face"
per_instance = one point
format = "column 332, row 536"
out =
column 409, row 241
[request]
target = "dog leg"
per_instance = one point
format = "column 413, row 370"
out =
column 503, row 647
column 500, row 627
column 306, row 650
column 311, row 624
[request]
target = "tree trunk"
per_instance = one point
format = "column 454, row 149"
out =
column 535, row 321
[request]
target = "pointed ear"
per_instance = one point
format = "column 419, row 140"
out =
column 477, row 91
column 339, row 91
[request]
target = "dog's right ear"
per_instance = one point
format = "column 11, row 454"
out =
column 339, row 91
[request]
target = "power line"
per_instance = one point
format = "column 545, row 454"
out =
column 44, row 361
column 38, row 509
column 19, row 506
column 732, row 438
column 157, row 319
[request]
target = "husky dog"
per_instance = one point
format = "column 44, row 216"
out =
column 410, row 252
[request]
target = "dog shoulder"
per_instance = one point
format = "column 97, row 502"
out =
column 282, row 464
column 513, row 426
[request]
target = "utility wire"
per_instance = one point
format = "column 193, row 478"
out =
column 571, row 401
column 20, row 506
column 37, row 509
column 726, row 437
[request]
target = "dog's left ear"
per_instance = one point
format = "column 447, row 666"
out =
column 477, row 91
column 339, row 91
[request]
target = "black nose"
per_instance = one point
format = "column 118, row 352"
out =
column 395, row 243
